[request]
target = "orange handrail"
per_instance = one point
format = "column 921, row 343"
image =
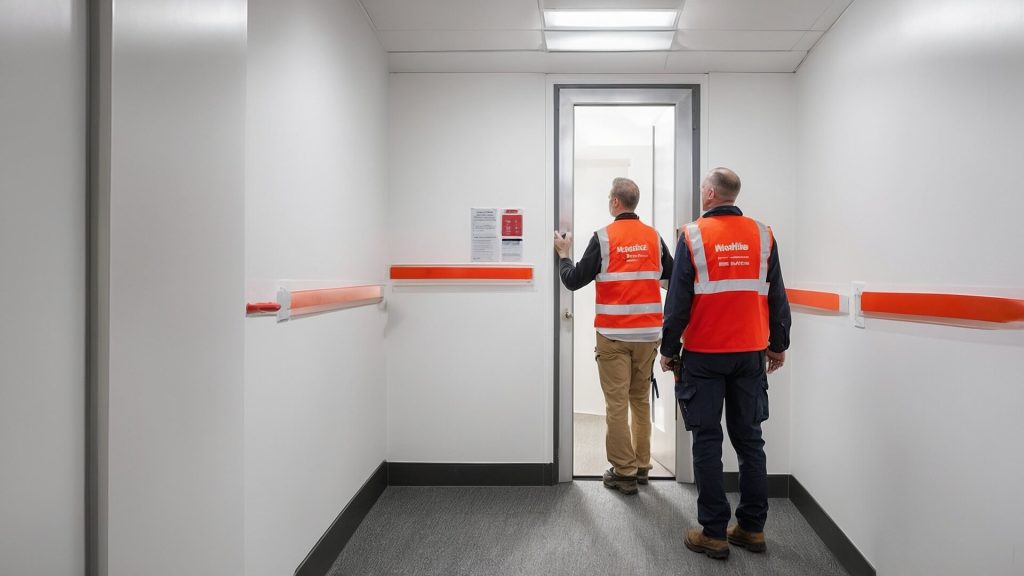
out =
column 957, row 306
column 296, row 303
column 814, row 299
column 311, row 301
column 303, row 300
column 461, row 272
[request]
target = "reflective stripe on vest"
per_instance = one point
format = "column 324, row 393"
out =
column 627, row 309
column 730, row 306
column 631, row 334
column 618, row 276
column 628, row 293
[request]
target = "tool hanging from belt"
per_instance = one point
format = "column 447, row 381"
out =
column 654, row 389
column 654, row 384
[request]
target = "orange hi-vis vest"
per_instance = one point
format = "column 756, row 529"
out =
column 628, row 290
column 730, row 304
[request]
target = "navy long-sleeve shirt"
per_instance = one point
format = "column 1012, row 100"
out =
column 679, row 301
column 584, row 272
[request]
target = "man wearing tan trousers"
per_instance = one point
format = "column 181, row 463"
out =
column 628, row 260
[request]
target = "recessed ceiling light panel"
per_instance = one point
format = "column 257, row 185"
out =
column 608, row 40
column 610, row 19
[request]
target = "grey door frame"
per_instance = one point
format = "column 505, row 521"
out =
column 566, row 96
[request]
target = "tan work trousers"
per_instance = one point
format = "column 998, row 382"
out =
column 625, row 372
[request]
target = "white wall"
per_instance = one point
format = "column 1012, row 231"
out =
column 315, row 405
column 910, row 135
column 469, row 370
column 42, row 267
column 174, row 267
column 752, row 129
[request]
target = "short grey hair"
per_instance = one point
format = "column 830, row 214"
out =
column 725, row 182
column 627, row 192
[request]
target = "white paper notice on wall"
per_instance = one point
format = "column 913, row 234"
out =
column 484, row 230
column 497, row 234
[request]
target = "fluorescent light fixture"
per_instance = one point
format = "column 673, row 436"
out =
column 965, row 20
column 608, row 40
column 610, row 19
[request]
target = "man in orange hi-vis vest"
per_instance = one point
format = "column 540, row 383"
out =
column 726, row 309
column 627, row 260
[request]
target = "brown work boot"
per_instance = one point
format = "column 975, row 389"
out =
column 753, row 541
column 624, row 484
column 714, row 548
column 643, row 475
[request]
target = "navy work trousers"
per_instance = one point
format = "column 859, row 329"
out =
column 739, row 381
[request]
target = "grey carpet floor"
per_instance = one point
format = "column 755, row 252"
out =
column 578, row 528
column 589, row 457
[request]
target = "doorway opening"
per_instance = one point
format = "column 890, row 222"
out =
column 649, row 135
column 611, row 142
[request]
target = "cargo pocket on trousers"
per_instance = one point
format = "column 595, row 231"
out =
column 688, row 405
column 762, row 401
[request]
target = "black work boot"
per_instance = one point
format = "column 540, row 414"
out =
column 624, row 484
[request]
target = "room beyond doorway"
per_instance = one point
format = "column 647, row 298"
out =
column 611, row 142
column 647, row 134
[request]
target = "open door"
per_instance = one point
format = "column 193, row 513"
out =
column 670, row 445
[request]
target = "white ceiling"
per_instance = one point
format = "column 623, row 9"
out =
column 507, row 36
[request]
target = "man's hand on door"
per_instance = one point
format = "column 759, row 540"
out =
column 563, row 244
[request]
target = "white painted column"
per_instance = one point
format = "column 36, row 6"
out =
column 171, row 274
column 42, row 287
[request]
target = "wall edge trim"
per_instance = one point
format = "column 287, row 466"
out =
column 321, row 558
column 461, row 474
column 849, row 556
